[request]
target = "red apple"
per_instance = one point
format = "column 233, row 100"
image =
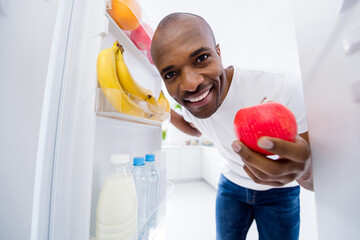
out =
column 267, row 119
column 142, row 36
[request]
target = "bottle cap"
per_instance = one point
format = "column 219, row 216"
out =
column 150, row 157
column 119, row 158
column 139, row 161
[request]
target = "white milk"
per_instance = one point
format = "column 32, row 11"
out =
column 116, row 213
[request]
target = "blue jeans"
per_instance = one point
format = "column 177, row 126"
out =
column 276, row 212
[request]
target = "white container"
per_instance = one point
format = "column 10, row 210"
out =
column 116, row 212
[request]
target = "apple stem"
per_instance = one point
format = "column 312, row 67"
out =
column 262, row 101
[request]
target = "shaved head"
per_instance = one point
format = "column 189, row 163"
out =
column 170, row 24
column 178, row 16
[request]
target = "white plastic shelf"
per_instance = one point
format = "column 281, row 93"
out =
column 119, row 34
column 105, row 109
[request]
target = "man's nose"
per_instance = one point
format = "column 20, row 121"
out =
column 190, row 80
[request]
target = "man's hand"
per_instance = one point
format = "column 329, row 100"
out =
column 294, row 161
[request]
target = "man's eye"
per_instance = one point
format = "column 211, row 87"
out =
column 169, row 75
column 202, row 58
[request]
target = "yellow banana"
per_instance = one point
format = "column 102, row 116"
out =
column 110, row 85
column 128, row 83
column 163, row 102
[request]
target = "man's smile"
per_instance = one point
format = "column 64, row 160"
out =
column 200, row 95
column 200, row 98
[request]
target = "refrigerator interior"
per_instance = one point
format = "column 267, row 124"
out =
column 120, row 133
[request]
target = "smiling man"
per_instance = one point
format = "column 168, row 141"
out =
column 251, row 186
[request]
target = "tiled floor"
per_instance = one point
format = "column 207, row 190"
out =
column 191, row 214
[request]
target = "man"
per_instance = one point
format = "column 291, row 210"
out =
column 251, row 186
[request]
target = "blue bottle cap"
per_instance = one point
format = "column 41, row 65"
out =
column 150, row 157
column 139, row 161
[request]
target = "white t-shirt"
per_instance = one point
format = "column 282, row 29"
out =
column 248, row 88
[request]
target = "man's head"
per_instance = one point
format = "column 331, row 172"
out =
column 185, row 53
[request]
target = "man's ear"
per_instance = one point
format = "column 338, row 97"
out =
column 218, row 50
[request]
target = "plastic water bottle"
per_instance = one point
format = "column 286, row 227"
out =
column 153, row 191
column 141, row 180
column 116, row 212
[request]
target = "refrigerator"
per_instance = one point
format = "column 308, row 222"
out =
column 328, row 38
column 55, row 140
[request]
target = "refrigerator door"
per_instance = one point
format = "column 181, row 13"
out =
column 26, row 29
column 328, row 36
column 62, row 191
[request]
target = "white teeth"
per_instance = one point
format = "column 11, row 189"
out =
column 201, row 97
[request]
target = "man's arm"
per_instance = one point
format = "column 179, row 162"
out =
column 179, row 122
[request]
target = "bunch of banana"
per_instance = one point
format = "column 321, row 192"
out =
column 128, row 83
column 123, row 92
column 107, row 76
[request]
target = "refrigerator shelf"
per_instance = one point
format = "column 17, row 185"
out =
column 122, row 116
column 128, row 107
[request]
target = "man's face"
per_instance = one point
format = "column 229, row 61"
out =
column 190, row 65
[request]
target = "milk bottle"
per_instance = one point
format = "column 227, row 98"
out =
column 116, row 212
